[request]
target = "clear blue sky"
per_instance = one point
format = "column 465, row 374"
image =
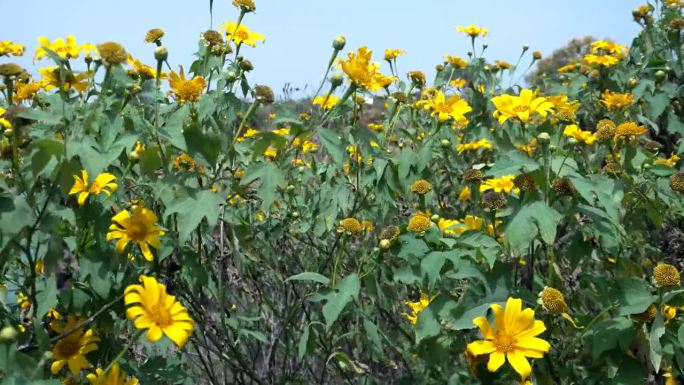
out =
column 299, row 32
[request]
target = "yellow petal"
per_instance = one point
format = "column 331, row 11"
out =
column 496, row 359
column 519, row 364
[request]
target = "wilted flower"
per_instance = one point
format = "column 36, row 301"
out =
column 154, row 35
column 629, row 129
column 112, row 53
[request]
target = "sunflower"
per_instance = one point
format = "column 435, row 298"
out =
column 521, row 107
column 115, row 376
column 143, row 70
column 326, row 101
column 573, row 131
column 52, row 78
column 503, row 184
column 614, row 101
column 139, row 227
column 240, row 34
column 473, row 31
column 104, row 183
column 513, row 337
column 64, row 48
column 474, row 146
column 150, row 307
column 7, row 48
column 364, row 74
column 417, row 306
column 186, row 90
column 71, row 350
column 452, row 107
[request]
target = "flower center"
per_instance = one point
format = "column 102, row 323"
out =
column 520, row 108
column 242, row 35
column 68, row 347
column 504, row 342
column 137, row 230
column 160, row 315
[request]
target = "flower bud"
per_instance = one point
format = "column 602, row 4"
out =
column 336, row 80
column 445, row 143
column 8, row 334
column 384, row 244
column 339, row 42
column 246, row 65
column 544, row 137
column 526, row 47
column 161, row 53
column 660, row 75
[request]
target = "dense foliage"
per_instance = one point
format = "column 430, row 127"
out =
column 175, row 226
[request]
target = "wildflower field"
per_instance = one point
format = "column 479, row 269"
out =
column 174, row 223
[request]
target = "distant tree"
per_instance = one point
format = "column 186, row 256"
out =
column 571, row 53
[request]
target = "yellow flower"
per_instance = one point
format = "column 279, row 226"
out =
column 4, row 122
column 367, row 225
column 104, row 183
column 143, row 70
column 23, row 300
column 601, row 60
column 241, row 34
column 669, row 162
column 604, row 46
column 564, row 108
column 139, row 227
column 351, row 226
column 614, row 101
column 184, row 162
column 573, row 131
column 150, row 307
column 670, row 312
column 504, row 65
column 465, row 194
column 71, row 350
column 457, row 83
column 52, row 79
column 245, row 5
column 251, row 132
column 421, row 187
column 629, row 129
column 25, row 91
column 271, row 153
column 419, row 223
column 362, row 73
column 521, row 107
column 39, row 267
column 186, row 90
column 391, row 54
column 503, row 184
column 473, row 31
column 326, row 101
column 309, row 146
column 114, row 376
column 474, row 146
column 417, row 307
column 67, row 49
column 567, row 68
column 9, row 48
column 455, row 61
column 529, row 148
column 282, row 131
column 376, row 127
column 449, row 226
column 513, row 337
column 452, row 107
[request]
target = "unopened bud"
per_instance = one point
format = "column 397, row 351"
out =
column 161, row 53
column 339, row 42
column 8, row 334
column 384, row 244
column 336, row 80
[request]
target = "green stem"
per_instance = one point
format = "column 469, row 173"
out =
column 327, row 70
column 248, row 115
column 123, row 351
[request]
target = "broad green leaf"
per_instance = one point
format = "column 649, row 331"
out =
column 270, row 177
column 338, row 297
column 309, row 276
column 47, row 296
column 192, row 209
column 634, row 295
column 333, row 143
column 532, row 219
column 512, row 163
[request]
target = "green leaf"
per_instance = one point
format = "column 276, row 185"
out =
column 513, row 162
column 47, row 296
column 306, row 342
column 46, row 117
column 172, row 130
column 634, row 295
column 270, row 176
column 333, row 143
column 309, row 276
column 432, row 264
column 609, row 333
column 336, row 299
column 15, row 215
column 532, row 219
column 655, row 353
column 45, row 155
column 150, row 161
column 192, row 209
column 427, row 325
